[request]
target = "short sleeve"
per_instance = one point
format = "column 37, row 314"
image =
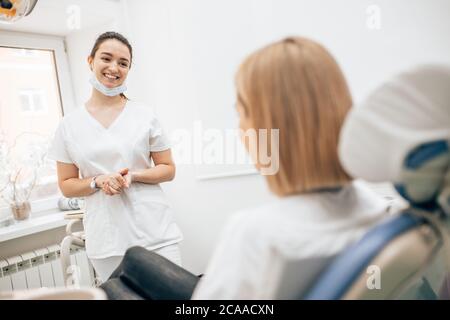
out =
column 158, row 139
column 58, row 148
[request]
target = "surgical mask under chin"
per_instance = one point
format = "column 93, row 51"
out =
column 110, row 92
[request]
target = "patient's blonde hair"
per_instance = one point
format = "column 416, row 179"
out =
column 296, row 86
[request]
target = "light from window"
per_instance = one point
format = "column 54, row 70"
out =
column 25, row 53
column 33, row 102
column 30, row 111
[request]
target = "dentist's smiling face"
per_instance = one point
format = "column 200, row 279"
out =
column 111, row 63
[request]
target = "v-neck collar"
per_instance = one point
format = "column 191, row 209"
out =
column 113, row 123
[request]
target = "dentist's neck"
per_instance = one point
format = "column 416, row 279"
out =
column 100, row 100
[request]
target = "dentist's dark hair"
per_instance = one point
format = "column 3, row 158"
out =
column 111, row 35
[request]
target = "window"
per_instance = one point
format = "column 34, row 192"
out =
column 34, row 93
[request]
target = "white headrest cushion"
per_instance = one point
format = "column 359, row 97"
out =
column 411, row 109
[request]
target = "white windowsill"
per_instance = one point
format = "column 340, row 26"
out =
column 38, row 222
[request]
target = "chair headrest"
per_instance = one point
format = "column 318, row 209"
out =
column 401, row 134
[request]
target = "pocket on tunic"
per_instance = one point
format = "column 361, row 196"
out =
column 100, row 233
column 142, row 192
column 156, row 221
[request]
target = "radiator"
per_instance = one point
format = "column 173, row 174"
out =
column 42, row 268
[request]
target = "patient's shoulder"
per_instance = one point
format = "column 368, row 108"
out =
column 265, row 223
column 278, row 211
column 252, row 218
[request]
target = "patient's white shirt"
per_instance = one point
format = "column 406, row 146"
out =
column 247, row 262
column 140, row 215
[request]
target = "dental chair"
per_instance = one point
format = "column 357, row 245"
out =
column 401, row 134
column 71, row 240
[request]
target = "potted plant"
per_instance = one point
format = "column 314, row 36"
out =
column 19, row 166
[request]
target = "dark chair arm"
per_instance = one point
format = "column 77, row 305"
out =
column 154, row 277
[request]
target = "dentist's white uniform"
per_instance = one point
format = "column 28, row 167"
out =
column 140, row 215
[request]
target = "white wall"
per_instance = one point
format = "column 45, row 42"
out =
column 186, row 52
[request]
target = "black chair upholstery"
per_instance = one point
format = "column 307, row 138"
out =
column 144, row 274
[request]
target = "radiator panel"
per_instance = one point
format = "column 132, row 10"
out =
column 42, row 268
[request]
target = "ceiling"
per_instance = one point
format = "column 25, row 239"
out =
column 52, row 16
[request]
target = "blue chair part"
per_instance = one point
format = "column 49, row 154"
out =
column 341, row 274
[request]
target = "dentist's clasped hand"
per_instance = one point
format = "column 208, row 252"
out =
column 114, row 183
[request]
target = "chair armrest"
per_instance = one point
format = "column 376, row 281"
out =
column 154, row 277
column 74, row 214
column 116, row 289
column 70, row 225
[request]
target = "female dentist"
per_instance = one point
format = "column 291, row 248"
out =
column 104, row 152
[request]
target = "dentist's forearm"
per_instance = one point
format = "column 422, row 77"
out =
column 157, row 174
column 75, row 187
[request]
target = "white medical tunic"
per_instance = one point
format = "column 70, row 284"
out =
column 257, row 244
column 140, row 215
